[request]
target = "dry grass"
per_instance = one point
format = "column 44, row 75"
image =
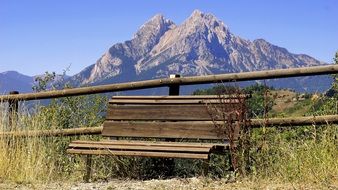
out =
column 28, row 159
column 303, row 158
column 177, row 184
column 38, row 159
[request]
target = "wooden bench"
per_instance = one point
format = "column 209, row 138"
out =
column 131, row 119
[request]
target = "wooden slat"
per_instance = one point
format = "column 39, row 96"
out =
column 183, row 101
column 176, row 99
column 151, row 143
column 163, row 112
column 193, row 130
column 184, row 97
column 139, row 148
column 138, row 153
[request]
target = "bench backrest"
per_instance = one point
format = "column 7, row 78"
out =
column 179, row 117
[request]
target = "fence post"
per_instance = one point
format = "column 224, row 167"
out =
column 174, row 89
column 88, row 174
column 12, row 110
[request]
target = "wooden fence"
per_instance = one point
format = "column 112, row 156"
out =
column 173, row 82
column 255, row 123
column 176, row 81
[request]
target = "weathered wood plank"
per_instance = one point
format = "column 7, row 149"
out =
column 164, row 112
column 139, row 148
column 186, row 97
column 183, row 130
column 151, row 143
column 138, row 153
column 182, row 101
column 177, row 99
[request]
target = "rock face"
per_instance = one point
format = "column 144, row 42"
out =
column 122, row 57
column 201, row 45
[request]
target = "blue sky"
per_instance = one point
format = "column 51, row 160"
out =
column 45, row 35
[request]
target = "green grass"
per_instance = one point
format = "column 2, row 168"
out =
column 300, row 108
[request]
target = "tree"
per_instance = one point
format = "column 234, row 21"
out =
column 335, row 76
column 329, row 104
column 332, row 92
column 42, row 82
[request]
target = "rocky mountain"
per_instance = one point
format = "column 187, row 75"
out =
column 201, row 45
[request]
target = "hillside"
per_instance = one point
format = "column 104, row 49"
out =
column 291, row 104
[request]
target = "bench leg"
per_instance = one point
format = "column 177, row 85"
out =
column 231, row 167
column 205, row 166
column 86, row 177
column 170, row 163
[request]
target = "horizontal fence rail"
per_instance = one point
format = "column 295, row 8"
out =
column 230, row 77
column 55, row 132
column 255, row 123
column 295, row 121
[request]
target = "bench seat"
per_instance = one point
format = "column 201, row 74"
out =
column 147, row 148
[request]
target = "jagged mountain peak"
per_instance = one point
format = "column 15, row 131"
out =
column 207, row 19
column 198, row 25
column 157, row 24
column 204, row 25
column 201, row 45
column 120, row 57
column 150, row 33
column 198, row 39
column 159, row 18
column 197, row 12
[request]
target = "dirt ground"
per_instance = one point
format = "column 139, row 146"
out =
column 177, row 184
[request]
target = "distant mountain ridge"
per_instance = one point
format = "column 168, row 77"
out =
column 201, row 45
column 14, row 81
